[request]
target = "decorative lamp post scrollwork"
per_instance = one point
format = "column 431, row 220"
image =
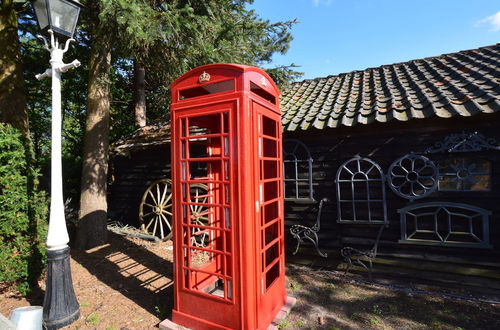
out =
column 57, row 21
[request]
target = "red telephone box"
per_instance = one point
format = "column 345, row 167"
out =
column 228, row 198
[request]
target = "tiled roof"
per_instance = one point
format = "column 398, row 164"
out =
column 463, row 83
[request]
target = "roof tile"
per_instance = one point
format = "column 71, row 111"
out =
column 463, row 83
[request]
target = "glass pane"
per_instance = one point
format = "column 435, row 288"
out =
column 219, row 87
column 41, row 13
column 271, row 212
column 64, row 15
column 478, row 182
column 270, row 148
column 272, row 275
column 209, row 124
column 271, row 190
column 272, row 253
column 464, row 174
column 268, row 126
column 269, row 169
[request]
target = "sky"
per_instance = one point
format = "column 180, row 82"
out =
column 336, row 36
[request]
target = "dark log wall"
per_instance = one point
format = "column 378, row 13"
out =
column 130, row 176
column 384, row 143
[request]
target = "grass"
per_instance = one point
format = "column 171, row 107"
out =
column 299, row 324
column 376, row 310
column 355, row 316
column 93, row 319
column 283, row 324
column 162, row 314
column 393, row 309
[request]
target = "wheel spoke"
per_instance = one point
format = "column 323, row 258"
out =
column 150, row 205
column 165, row 189
column 169, row 197
column 152, row 196
column 145, row 215
column 166, row 212
column 150, row 222
column 161, row 228
column 155, row 226
column 167, row 222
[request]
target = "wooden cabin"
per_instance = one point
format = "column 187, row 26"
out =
column 405, row 155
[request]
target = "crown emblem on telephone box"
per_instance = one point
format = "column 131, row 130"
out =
column 204, row 77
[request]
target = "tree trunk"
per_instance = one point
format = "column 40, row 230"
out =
column 92, row 217
column 139, row 94
column 12, row 90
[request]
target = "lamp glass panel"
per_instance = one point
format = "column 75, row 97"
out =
column 63, row 15
column 40, row 7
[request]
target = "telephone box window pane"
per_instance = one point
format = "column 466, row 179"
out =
column 272, row 253
column 268, row 126
column 203, row 170
column 226, row 146
column 254, row 88
column 270, row 148
column 206, row 148
column 217, row 289
column 269, row 169
column 200, row 259
column 271, row 212
column 227, row 217
column 228, row 249
column 208, row 124
column 227, row 195
column 272, row 275
column 271, row 190
column 184, row 171
column 183, row 127
column 271, row 233
column 218, row 87
column 225, row 120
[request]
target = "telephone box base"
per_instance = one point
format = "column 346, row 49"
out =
column 285, row 310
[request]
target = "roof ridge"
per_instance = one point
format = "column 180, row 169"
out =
column 395, row 63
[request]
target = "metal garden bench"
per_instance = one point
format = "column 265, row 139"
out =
column 301, row 233
column 362, row 257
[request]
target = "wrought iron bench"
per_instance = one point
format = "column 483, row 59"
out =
column 361, row 257
column 301, row 233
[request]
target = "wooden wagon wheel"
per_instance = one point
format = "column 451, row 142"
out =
column 155, row 210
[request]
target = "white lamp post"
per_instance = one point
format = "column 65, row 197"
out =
column 57, row 20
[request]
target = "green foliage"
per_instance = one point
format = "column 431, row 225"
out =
column 22, row 214
column 93, row 319
column 167, row 37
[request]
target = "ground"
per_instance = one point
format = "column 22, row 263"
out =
column 127, row 284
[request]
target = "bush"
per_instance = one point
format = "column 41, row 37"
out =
column 23, row 214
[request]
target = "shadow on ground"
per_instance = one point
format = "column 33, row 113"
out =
column 137, row 273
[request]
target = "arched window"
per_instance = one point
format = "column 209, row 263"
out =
column 361, row 192
column 297, row 171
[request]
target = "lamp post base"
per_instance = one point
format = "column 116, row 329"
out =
column 60, row 306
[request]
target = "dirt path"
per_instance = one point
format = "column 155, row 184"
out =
column 127, row 284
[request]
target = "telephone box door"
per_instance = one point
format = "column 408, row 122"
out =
column 206, row 237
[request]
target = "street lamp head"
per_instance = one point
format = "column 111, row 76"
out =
column 60, row 16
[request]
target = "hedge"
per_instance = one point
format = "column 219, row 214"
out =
column 23, row 214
